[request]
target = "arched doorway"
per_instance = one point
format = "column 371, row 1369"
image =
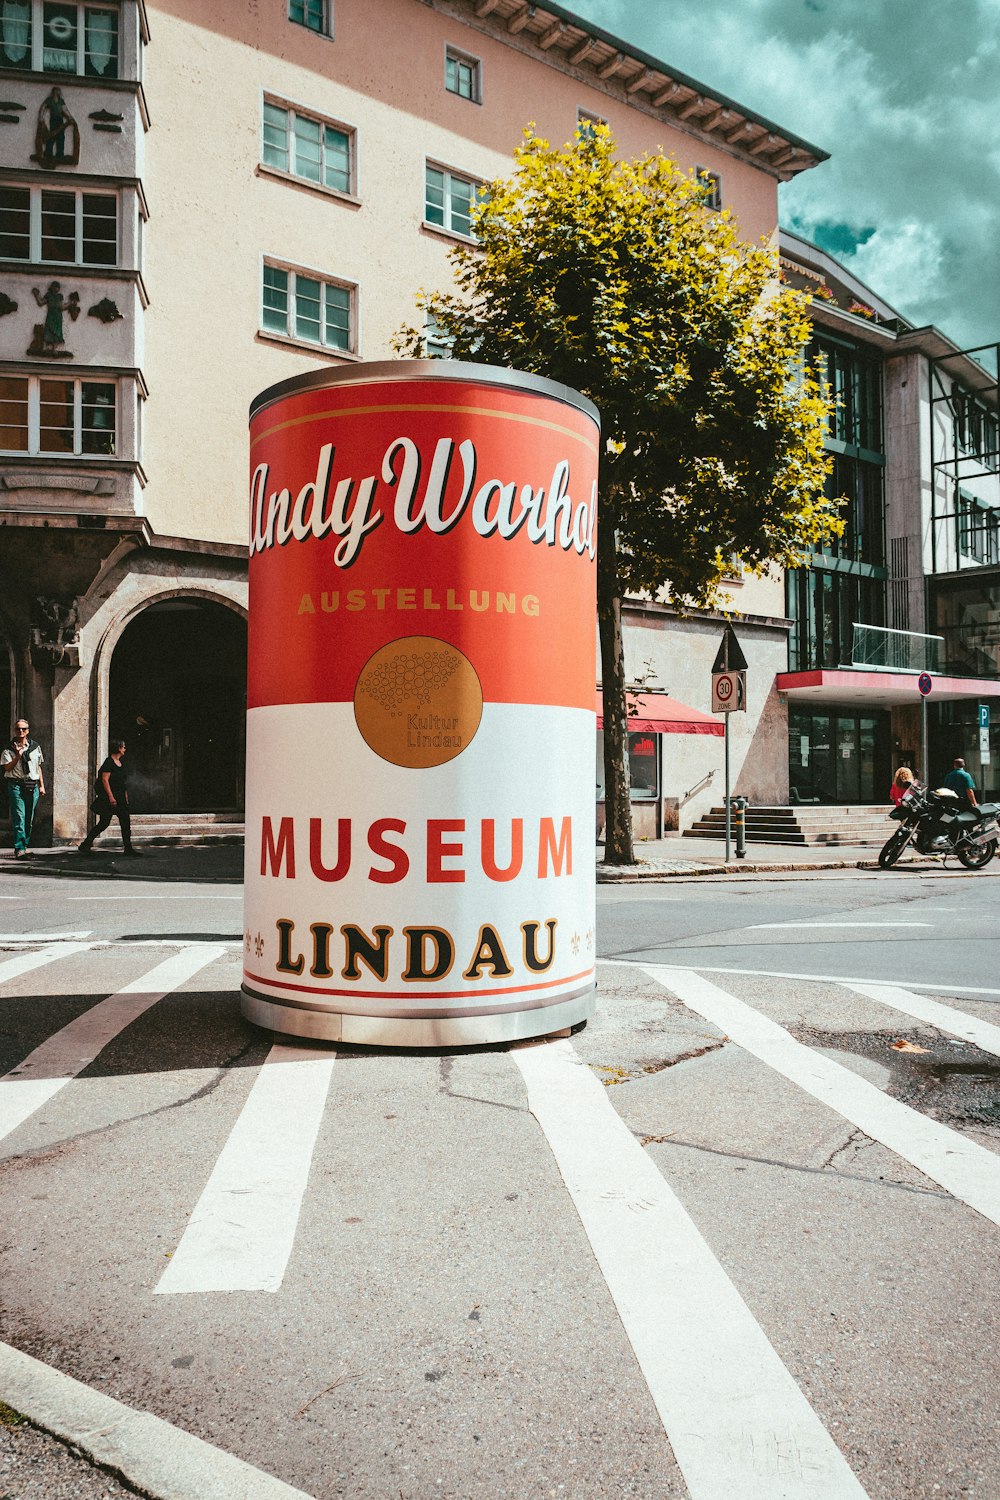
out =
column 178, row 699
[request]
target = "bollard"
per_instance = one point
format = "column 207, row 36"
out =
column 420, row 727
column 740, row 805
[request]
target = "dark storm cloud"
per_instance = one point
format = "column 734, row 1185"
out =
column 902, row 93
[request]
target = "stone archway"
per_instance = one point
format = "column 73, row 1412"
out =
column 177, row 696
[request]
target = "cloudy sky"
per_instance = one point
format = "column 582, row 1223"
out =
column 904, row 94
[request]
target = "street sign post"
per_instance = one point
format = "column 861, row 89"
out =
column 924, row 684
column 729, row 695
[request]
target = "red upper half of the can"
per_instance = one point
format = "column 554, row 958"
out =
column 456, row 509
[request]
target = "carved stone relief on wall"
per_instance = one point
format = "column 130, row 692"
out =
column 55, row 631
column 57, row 135
column 48, row 338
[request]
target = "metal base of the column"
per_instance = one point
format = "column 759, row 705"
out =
column 415, row 1031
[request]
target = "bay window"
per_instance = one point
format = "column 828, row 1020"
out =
column 60, row 36
column 42, row 415
column 58, row 226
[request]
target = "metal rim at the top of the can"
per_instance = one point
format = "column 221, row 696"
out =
column 380, row 371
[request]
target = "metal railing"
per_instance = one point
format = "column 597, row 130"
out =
column 877, row 648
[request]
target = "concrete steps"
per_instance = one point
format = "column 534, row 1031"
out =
column 802, row 826
column 184, row 828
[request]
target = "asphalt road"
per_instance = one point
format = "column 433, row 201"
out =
column 731, row 1241
column 910, row 927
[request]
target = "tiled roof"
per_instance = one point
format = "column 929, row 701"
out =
column 622, row 70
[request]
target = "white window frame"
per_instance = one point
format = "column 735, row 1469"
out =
column 585, row 117
column 464, row 60
column 437, row 345
column 325, row 29
column 294, row 111
column 289, row 335
column 450, row 175
column 35, row 191
column 710, row 184
column 36, row 60
column 78, row 381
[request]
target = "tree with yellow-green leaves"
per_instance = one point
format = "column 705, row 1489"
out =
column 614, row 278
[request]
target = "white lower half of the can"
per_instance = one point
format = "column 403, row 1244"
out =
column 436, row 933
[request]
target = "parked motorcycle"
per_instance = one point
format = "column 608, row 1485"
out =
column 939, row 823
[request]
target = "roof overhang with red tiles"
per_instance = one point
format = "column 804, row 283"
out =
column 574, row 44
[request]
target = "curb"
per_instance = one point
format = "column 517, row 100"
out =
column 633, row 874
column 157, row 1459
column 629, row 873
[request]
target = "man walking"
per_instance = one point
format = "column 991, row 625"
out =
column 22, row 762
column 961, row 783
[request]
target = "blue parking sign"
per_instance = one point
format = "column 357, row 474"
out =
column 984, row 716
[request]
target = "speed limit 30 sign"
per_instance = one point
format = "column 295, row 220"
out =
column 728, row 692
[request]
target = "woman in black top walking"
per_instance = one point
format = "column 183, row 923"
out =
column 111, row 800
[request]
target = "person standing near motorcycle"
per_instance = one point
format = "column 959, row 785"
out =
column 944, row 822
column 901, row 783
column 961, row 783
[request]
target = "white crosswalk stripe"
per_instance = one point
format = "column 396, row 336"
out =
column 708, row 1364
column 13, row 968
column 844, row 981
column 18, row 939
column 65, row 1054
column 965, row 1169
column 922, row 1008
column 242, row 1231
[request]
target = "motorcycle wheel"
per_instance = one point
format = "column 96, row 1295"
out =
column 978, row 856
column 894, row 847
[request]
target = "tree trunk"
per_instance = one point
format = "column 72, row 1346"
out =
column 617, row 802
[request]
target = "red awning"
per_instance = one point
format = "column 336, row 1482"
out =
column 656, row 713
column 874, row 689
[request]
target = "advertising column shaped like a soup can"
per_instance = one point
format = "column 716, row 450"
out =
column 420, row 728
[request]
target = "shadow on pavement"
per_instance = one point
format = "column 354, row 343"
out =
column 217, row 864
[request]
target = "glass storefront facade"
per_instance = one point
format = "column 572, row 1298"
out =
column 824, row 606
column 966, row 611
column 838, row 757
column 953, row 730
column 846, row 583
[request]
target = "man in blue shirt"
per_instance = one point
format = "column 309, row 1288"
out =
column 961, row 783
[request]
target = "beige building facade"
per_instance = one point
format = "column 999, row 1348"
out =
column 199, row 200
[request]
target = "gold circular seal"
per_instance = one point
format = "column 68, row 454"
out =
column 418, row 702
